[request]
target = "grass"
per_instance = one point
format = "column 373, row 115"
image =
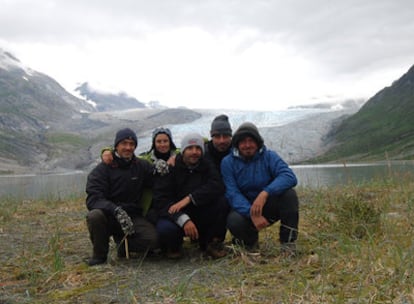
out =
column 355, row 246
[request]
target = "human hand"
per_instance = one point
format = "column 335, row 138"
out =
column 190, row 230
column 179, row 205
column 260, row 222
column 161, row 167
column 171, row 160
column 124, row 220
column 257, row 207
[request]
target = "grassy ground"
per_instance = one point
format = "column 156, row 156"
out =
column 355, row 246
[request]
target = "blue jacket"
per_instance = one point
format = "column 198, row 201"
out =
column 244, row 180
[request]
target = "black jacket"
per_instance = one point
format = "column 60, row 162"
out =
column 118, row 184
column 202, row 182
column 211, row 154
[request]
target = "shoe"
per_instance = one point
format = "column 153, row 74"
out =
column 288, row 249
column 251, row 249
column 174, row 255
column 216, row 250
column 96, row 261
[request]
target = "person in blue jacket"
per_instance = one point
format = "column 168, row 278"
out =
column 259, row 188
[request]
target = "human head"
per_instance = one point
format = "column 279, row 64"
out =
column 221, row 133
column 126, row 133
column 162, row 140
column 106, row 155
column 247, row 130
column 220, row 125
column 192, row 148
column 125, row 143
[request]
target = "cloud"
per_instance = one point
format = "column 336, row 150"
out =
column 266, row 53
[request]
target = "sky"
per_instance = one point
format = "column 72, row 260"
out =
column 221, row 54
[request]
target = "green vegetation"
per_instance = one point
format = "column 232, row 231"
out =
column 383, row 127
column 355, row 246
column 66, row 139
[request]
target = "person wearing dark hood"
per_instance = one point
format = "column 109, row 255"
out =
column 162, row 152
column 186, row 202
column 113, row 199
column 161, row 156
column 259, row 188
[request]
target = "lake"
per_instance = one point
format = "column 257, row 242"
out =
column 72, row 184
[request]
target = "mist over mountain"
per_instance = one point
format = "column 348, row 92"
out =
column 43, row 128
column 104, row 101
column 382, row 129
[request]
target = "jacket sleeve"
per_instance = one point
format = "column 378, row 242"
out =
column 97, row 186
column 235, row 198
column 283, row 177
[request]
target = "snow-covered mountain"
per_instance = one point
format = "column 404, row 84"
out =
column 44, row 128
column 296, row 134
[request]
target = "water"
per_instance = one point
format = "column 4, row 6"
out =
column 60, row 186
column 315, row 176
column 43, row 186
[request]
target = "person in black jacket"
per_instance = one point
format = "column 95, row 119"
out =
column 113, row 199
column 186, row 202
column 219, row 145
column 215, row 150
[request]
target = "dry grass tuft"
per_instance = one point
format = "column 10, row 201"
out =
column 355, row 246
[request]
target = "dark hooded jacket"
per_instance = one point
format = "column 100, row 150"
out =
column 120, row 183
column 213, row 155
column 203, row 183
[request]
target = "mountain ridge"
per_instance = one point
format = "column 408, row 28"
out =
column 382, row 128
column 44, row 128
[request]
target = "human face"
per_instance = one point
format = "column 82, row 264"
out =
column 162, row 143
column 221, row 142
column 192, row 155
column 248, row 147
column 107, row 157
column 126, row 148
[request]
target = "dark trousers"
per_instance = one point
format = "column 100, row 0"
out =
column 284, row 207
column 210, row 221
column 102, row 226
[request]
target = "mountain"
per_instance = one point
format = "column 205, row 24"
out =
column 33, row 106
column 45, row 128
column 382, row 129
column 108, row 101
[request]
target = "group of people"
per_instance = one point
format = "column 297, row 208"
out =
column 231, row 182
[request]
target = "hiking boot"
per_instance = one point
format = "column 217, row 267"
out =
column 216, row 250
column 174, row 255
column 288, row 249
column 96, row 261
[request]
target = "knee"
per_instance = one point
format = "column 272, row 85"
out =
column 166, row 229
column 96, row 216
column 235, row 220
column 290, row 200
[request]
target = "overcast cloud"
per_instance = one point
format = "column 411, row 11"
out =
column 216, row 53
